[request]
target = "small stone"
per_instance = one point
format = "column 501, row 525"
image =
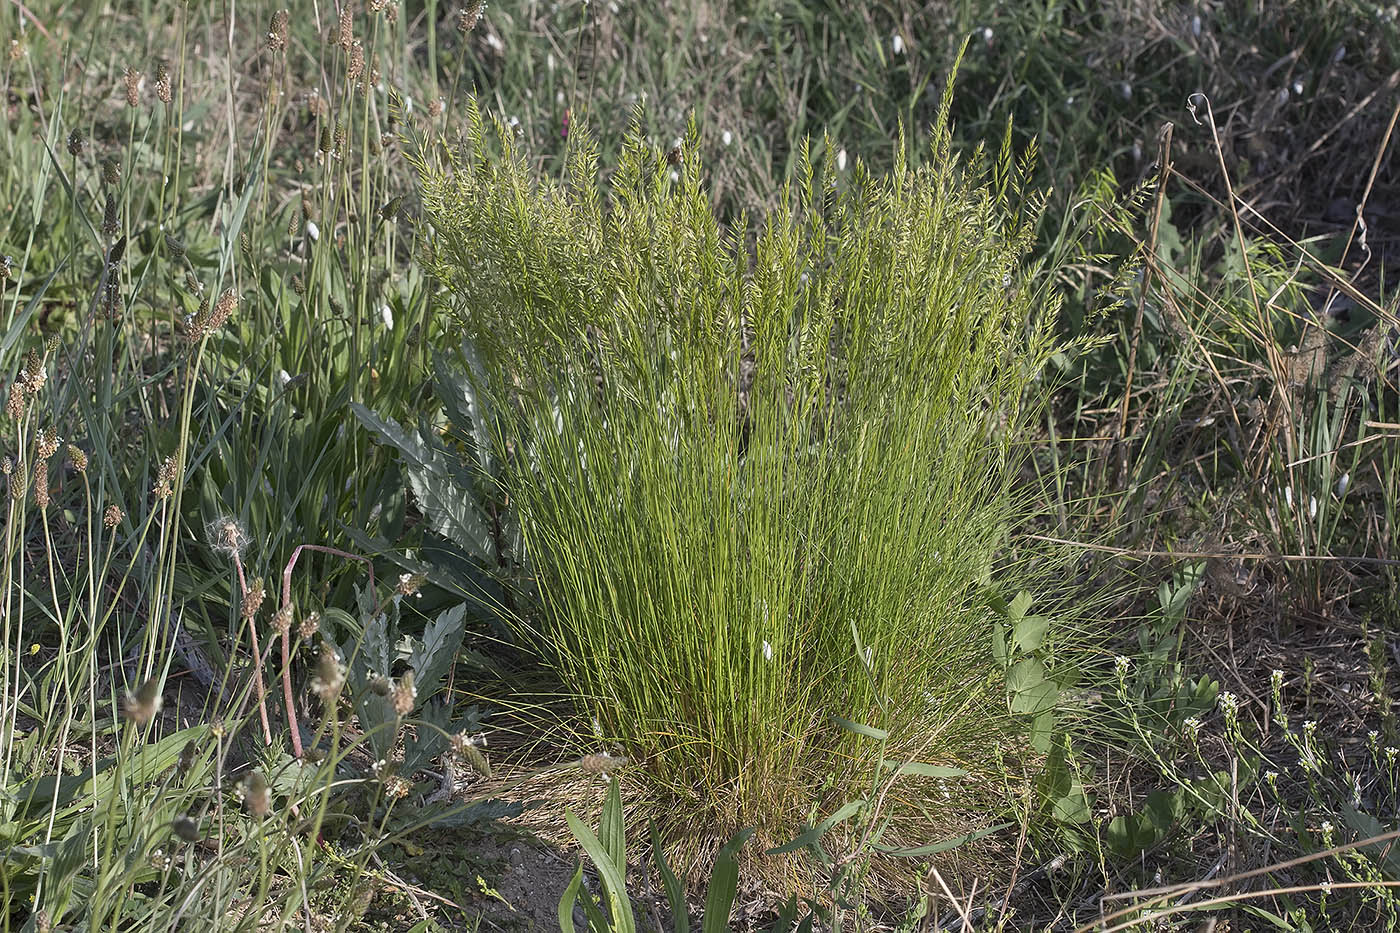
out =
column 517, row 857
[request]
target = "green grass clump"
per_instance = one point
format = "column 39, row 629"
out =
column 762, row 481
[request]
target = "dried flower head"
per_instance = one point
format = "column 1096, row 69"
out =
column 41, row 484
column 467, row 749
column 277, row 31
column 356, row 68
column 164, row 91
column 345, row 36
column 165, row 479
column 7, row 464
column 223, row 309
column 46, row 443
column 15, row 406
column 7, row 267
column 78, row 458
column 469, row 16
column 141, row 707
column 409, row 583
column 309, row 625
column 396, row 787
column 110, row 220
column 133, row 79
column 329, row 678
column 77, row 142
column 282, row 620
column 256, row 795
column 226, row 536
column 254, row 600
column 377, row 6
column 34, row 373
column 111, row 517
column 601, row 763
column 185, row 827
column 405, row 695
column 18, row 485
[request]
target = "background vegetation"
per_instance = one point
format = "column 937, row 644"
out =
column 224, row 341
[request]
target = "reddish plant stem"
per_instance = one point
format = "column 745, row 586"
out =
column 287, row 696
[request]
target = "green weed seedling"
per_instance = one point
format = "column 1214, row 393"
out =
column 607, row 851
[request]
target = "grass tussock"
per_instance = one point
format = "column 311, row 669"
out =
column 762, row 484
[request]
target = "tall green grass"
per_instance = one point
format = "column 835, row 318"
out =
column 764, row 479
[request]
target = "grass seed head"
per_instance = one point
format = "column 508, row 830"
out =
column 164, row 91
column 469, row 16
column 310, row 624
column 356, row 68
column 132, row 80
column 41, row 484
column 254, row 600
column 34, row 373
column 110, row 223
column 256, row 795
column 345, row 36
column 46, row 443
column 282, row 620
column 277, row 32
column 405, row 695
column 78, row 458
column 223, row 309
column 141, row 707
column 165, row 479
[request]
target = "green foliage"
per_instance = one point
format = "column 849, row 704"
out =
column 727, row 458
column 607, row 851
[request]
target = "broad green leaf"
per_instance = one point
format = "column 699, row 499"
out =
column 869, row 732
column 432, row 657
column 811, row 836
column 1036, row 698
column 1030, row 633
column 1020, row 605
column 719, row 896
column 614, row 884
column 1025, row 674
column 675, row 894
column 611, row 831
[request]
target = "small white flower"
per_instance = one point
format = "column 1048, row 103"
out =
column 767, row 651
column 1312, row 506
column 549, row 61
column 407, row 104
column 1298, row 88
column 386, row 314
column 675, row 175
column 1343, row 485
column 1196, row 25
column 283, row 376
column 1229, row 703
column 841, row 160
column 1126, row 90
column 495, row 42
column 313, row 231
column 1192, row 725
column 897, row 44
column 1121, row 665
column 987, row 34
column 726, row 137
